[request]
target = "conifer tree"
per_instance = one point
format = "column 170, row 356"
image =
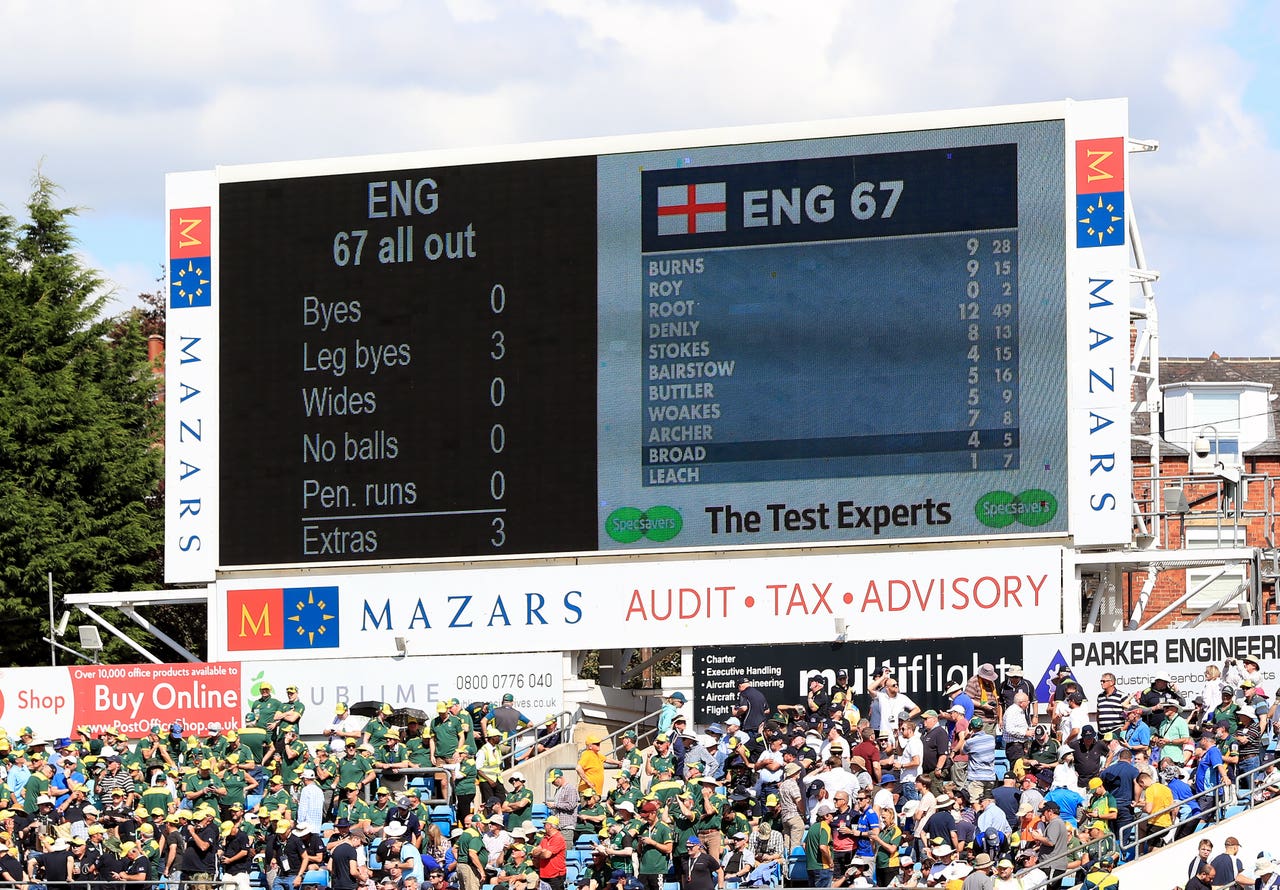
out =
column 80, row 462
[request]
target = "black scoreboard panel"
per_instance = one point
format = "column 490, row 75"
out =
column 408, row 364
column 850, row 338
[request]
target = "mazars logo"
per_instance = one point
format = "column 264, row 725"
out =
column 283, row 618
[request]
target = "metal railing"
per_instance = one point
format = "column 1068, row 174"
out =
column 219, row 883
column 523, row 741
column 1215, row 795
column 1229, row 503
column 644, row 735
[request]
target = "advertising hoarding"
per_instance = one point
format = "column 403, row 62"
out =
column 1136, row 656
column 128, row 698
column 536, row 680
column 894, row 596
column 924, row 669
column 890, row 329
column 131, row 698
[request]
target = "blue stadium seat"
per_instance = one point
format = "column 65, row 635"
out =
column 317, row 878
column 586, row 841
column 797, row 869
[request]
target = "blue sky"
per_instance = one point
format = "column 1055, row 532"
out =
column 110, row 97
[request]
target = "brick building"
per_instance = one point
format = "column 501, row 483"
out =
column 1214, row 494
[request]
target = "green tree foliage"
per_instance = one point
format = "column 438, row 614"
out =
column 80, row 463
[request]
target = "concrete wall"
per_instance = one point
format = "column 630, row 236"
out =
column 1256, row 829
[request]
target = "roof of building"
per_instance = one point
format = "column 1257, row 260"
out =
column 1219, row 369
column 1215, row 368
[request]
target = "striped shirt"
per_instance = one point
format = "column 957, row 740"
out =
column 1110, row 711
column 981, row 749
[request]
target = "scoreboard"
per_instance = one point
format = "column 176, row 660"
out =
column 858, row 336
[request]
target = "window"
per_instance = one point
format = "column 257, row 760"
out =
column 1215, row 416
column 1204, row 537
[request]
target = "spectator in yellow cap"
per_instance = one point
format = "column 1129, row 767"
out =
column 134, row 866
column 267, row 707
column 375, row 730
column 345, row 727
column 291, row 711
column 591, row 766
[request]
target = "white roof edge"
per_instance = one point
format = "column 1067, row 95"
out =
column 1215, row 384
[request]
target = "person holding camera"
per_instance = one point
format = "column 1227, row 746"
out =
column 1155, row 697
column 892, row 706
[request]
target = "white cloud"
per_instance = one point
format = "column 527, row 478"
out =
column 130, row 91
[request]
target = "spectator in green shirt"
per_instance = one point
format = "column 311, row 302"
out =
column 654, row 843
column 238, row 784
column 464, row 789
column 266, row 708
column 290, row 715
column 276, row 797
column 817, row 848
column 354, row 767
column 519, row 803
column 376, row 729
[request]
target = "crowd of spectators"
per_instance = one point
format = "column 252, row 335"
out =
column 996, row 791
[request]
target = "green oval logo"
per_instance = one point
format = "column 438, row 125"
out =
column 1039, row 507
column 626, row 525
column 664, row 523
column 623, row 525
column 1001, row 509
column 994, row 509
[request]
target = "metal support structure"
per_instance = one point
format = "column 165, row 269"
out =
column 1144, row 595
column 76, row 653
column 1095, row 606
column 1222, row 570
column 653, row 659
column 156, row 632
column 53, row 647
column 119, row 633
column 1148, row 347
column 1209, row 612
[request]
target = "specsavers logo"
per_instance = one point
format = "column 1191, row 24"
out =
column 626, row 525
column 1000, row 509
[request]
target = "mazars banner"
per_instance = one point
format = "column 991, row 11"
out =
column 126, row 698
column 535, row 680
column 1135, row 657
column 613, row 605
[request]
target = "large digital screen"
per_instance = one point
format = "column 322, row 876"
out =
column 858, row 337
column 839, row 339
